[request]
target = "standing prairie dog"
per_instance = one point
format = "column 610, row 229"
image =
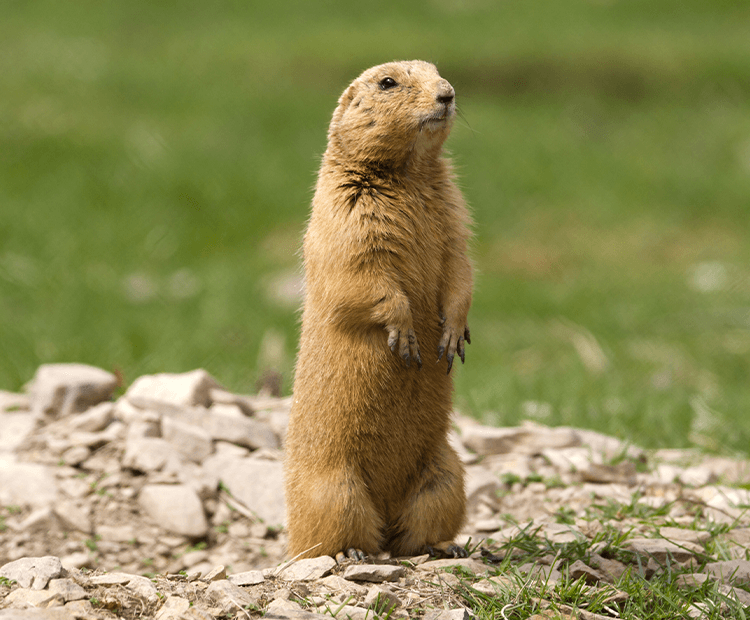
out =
column 388, row 290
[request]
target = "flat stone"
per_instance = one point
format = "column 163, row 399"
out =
column 53, row 613
column 26, row 484
column 681, row 535
column 229, row 597
column 308, row 569
column 382, row 599
column 255, row 483
column 23, row 597
column 736, row 572
column 611, row 569
column 448, row 614
column 242, row 431
column 61, row 389
column 34, row 573
column 13, row 402
column 112, row 579
column 659, row 549
column 173, row 608
column 150, row 454
column 14, row 429
column 477, row 568
column 290, row 614
column 192, row 441
column 95, row 419
column 179, row 390
column 68, row 589
column 175, row 507
column 529, row 438
column 247, row 578
column 376, row 573
column 480, row 483
column 590, row 575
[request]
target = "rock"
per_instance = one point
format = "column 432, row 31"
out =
column 216, row 573
column 247, row 578
column 376, row 573
column 480, row 483
column 736, row 572
column 14, row 429
column 150, row 454
column 55, row 613
column 23, row 597
column 661, row 549
column 381, row 599
column 176, row 508
column 10, row 402
column 611, row 569
column 94, row 420
column 68, row 589
column 230, row 598
column 34, row 573
column 241, row 430
column 590, row 575
column 61, row 389
column 173, row 608
column 192, row 441
column 26, row 484
column 178, row 390
column 308, row 569
column 255, row 483
column 473, row 566
column 529, row 438
column 681, row 535
column 448, row 614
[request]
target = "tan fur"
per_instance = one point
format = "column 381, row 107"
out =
column 368, row 463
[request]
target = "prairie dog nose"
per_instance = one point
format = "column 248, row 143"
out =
column 445, row 92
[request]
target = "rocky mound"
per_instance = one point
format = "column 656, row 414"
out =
column 167, row 502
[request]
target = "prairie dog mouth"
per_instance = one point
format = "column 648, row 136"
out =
column 438, row 117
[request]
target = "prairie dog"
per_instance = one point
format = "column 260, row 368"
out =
column 388, row 290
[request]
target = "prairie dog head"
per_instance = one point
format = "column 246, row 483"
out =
column 393, row 112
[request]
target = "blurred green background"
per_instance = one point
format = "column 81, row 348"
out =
column 157, row 161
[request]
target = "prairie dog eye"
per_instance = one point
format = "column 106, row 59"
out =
column 387, row 82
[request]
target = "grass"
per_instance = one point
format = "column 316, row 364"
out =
column 157, row 165
column 637, row 593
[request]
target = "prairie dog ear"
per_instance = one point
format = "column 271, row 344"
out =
column 347, row 96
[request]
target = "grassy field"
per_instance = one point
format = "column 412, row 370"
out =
column 157, row 163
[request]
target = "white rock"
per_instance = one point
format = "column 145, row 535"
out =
column 241, row 430
column 26, row 484
column 478, row 568
column 12, row 402
column 480, row 483
column 448, row 614
column 68, row 589
column 736, row 572
column 14, row 429
column 60, row 389
column 659, row 549
column 529, row 438
column 192, row 441
column 34, row 573
column 150, row 454
column 173, row 608
column 247, row 578
column 381, row 598
column 179, row 390
column 257, row 484
column 308, row 569
column 176, row 508
column 376, row 573
column 95, row 419
column 229, row 597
